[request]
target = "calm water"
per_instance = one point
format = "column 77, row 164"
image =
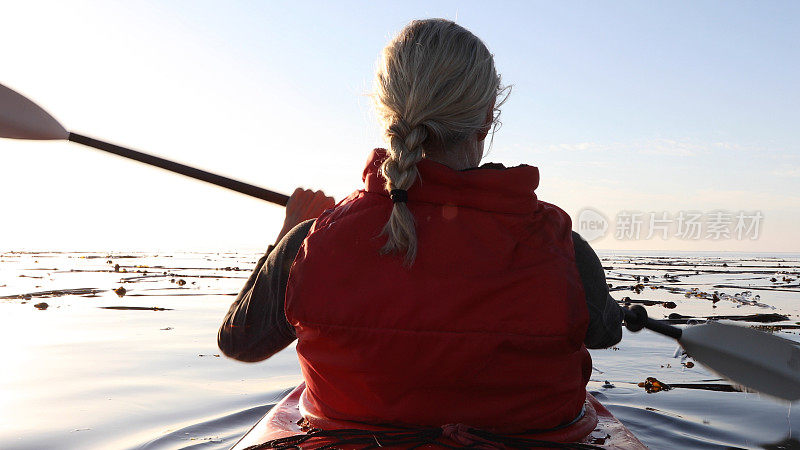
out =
column 78, row 375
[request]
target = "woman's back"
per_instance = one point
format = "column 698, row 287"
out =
column 485, row 328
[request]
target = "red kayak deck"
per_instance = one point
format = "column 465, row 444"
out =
column 282, row 421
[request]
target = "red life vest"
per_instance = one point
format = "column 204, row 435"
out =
column 486, row 328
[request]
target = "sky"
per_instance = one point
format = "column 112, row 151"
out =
column 626, row 107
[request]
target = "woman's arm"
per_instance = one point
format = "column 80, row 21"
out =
column 255, row 326
column 605, row 315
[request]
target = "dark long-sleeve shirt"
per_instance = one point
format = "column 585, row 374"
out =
column 256, row 327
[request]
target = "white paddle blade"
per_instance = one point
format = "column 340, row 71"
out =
column 20, row 118
column 754, row 359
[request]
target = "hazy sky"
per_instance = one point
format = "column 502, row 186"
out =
column 624, row 106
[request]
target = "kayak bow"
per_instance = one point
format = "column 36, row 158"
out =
column 285, row 427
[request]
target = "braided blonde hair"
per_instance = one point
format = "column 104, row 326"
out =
column 435, row 84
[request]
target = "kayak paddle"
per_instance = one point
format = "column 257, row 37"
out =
column 754, row 359
column 20, row 118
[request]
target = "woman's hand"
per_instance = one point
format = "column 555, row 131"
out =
column 304, row 204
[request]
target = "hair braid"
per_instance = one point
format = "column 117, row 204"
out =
column 400, row 171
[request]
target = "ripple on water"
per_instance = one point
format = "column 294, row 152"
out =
column 215, row 433
column 85, row 377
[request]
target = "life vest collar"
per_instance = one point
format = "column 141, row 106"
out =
column 488, row 188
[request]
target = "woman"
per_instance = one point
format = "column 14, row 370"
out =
column 442, row 292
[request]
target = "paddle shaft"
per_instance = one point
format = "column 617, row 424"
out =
column 172, row 166
column 636, row 319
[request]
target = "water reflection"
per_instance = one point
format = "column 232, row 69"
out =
column 99, row 370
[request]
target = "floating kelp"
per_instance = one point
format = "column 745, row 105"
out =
column 676, row 318
column 56, row 293
column 627, row 301
column 183, row 294
column 786, row 288
column 774, row 328
column 706, row 387
column 136, row 308
column 652, row 385
column 156, row 277
column 743, row 298
column 113, row 256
